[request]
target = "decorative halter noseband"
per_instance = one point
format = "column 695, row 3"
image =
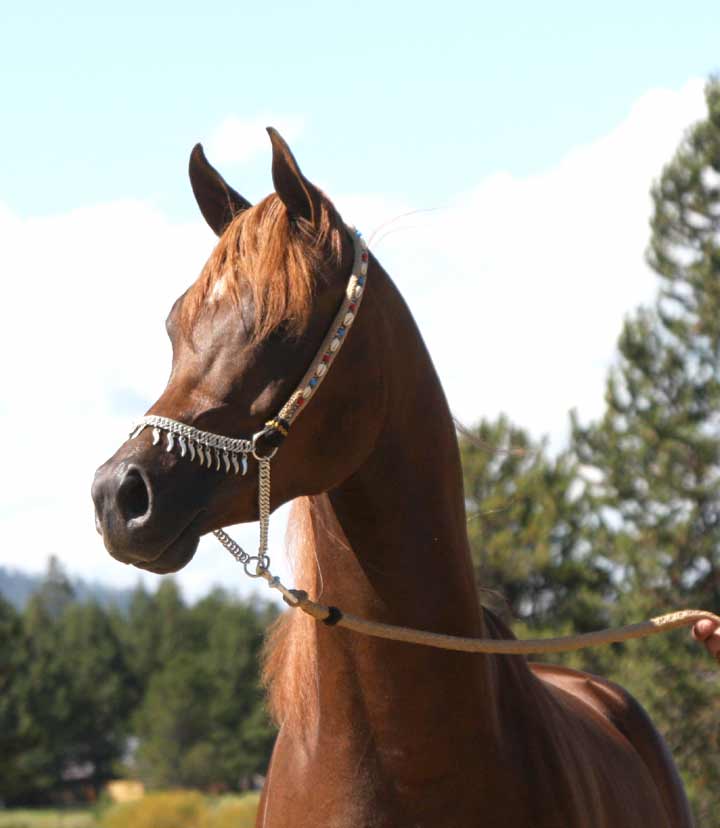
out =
column 231, row 453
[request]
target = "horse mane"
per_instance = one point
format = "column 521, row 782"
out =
column 273, row 259
column 290, row 654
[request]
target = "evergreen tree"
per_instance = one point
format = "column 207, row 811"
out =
column 12, row 742
column 653, row 461
column 525, row 525
column 78, row 684
column 174, row 727
column 154, row 630
column 242, row 733
column 139, row 631
column 41, row 685
column 56, row 591
column 202, row 721
column 66, row 695
column 99, row 691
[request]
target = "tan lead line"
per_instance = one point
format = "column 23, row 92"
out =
column 297, row 599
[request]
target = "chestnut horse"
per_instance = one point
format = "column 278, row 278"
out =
column 371, row 732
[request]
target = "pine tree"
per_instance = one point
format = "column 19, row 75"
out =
column 201, row 722
column 653, row 462
column 525, row 525
column 67, row 697
column 41, row 685
column 13, row 781
column 241, row 731
column 56, row 591
column 99, row 691
column 173, row 726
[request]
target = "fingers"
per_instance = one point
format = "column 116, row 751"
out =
column 708, row 632
column 703, row 629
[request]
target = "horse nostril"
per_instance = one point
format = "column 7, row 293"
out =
column 133, row 496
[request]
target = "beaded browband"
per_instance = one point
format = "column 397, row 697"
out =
column 231, row 453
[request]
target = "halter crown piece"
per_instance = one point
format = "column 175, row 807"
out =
column 228, row 454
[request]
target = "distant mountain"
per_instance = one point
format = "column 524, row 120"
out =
column 17, row 587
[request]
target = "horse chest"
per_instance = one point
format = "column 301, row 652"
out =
column 360, row 787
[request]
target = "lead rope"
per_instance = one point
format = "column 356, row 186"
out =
column 333, row 616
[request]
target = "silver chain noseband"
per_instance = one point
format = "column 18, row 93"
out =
column 231, row 453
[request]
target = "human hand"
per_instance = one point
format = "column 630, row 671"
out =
column 708, row 633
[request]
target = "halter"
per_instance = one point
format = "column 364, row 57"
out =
column 228, row 454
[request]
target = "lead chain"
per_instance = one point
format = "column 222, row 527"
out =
column 234, row 548
column 262, row 559
column 264, row 506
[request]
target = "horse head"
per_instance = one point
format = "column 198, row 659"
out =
column 243, row 338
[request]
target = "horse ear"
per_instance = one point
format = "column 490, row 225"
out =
column 217, row 200
column 301, row 198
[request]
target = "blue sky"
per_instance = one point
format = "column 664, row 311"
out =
column 414, row 98
column 535, row 129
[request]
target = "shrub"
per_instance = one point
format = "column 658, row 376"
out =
column 171, row 809
column 235, row 812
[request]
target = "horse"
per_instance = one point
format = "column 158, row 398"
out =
column 371, row 732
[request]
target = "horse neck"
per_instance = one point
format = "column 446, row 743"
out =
column 403, row 510
column 406, row 562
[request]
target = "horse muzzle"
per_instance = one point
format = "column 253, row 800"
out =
column 135, row 530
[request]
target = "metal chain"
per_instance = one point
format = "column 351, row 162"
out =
column 234, row 548
column 195, row 435
column 264, row 503
column 262, row 559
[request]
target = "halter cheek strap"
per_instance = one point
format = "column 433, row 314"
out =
column 230, row 454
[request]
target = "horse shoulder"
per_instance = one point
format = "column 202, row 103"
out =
column 628, row 717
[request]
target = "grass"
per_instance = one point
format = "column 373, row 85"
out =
column 47, row 818
column 179, row 809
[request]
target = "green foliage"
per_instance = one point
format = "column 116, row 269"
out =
column 526, row 530
column 202, row 720
column 12, row 740
column 626, row 524
column 67, row 693
column 99, row 684
column 169, row 691
column 55, row 592
column 173, row 725
column 654, row 458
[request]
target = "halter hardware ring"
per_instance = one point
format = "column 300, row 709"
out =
column 259, row 457
column 262, row 564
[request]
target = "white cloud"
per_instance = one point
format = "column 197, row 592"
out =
column 519, row 287
column 238, row 140
column 85, row 353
